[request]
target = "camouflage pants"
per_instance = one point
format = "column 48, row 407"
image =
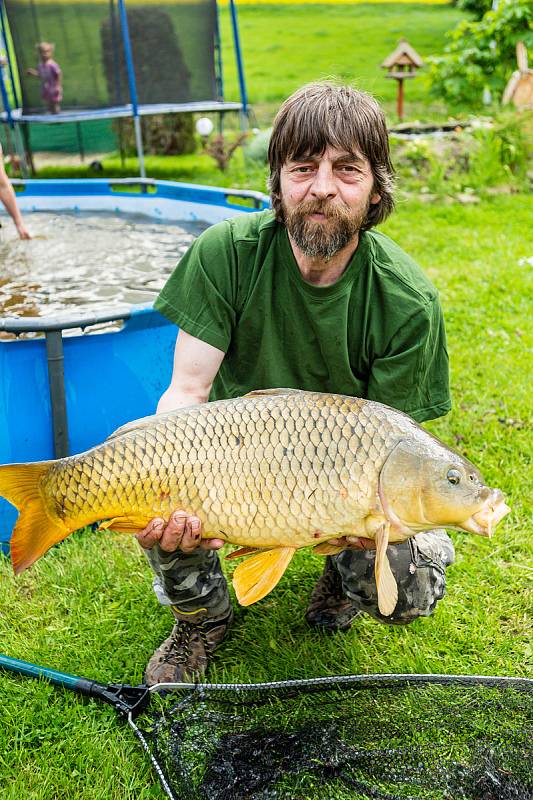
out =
column 418, row 565
column 191, row 582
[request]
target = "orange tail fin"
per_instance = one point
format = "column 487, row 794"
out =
column 35, row 532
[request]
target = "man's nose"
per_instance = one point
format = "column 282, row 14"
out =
column 324, row 184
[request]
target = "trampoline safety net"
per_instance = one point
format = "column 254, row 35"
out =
column 172, row 46
column 351, row 738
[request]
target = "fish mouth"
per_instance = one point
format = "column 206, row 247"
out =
column 484, row 521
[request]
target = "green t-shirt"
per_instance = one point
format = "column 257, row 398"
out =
column 378, row 332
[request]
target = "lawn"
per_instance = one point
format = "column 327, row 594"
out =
column 306, row 42
column 87, row 607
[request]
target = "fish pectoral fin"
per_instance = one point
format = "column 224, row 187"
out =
column 327, row 549
column 128, row 524
column 257, row 576
column 243, row 551
column 385, row 580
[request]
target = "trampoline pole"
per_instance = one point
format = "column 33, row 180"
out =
column 5, row 97
column 240, row 67
column 3, row 21
column 132, row 86
column 11, row 124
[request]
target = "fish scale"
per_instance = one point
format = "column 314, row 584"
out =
column 275, row 470
column 127, row 473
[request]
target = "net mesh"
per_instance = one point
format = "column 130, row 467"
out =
column 346, row 739
column 172, row 47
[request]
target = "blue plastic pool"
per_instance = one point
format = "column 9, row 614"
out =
column 61, row 395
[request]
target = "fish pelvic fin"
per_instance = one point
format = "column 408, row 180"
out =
column 127, row 524
column 242, row 551
column 35, row 531
column 258, row 574
column 385, row 581
column 327, row 549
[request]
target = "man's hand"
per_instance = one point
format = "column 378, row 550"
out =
column 353, row 543
column 182, row 532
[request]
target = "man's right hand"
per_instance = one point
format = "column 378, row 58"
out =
column 183, row 532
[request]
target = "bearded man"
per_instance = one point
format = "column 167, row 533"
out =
column 307, row 296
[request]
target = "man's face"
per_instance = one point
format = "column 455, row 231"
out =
column 325, row 200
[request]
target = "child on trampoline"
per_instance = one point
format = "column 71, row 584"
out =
column 49, row 73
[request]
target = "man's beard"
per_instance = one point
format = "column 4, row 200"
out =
column 323, row 239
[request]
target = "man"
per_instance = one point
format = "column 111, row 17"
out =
column 303, row 296
column 9, row 200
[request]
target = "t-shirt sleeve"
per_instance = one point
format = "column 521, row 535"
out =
column 199, row 296
column 413, row 374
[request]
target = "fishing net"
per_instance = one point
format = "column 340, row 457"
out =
column 347, row 738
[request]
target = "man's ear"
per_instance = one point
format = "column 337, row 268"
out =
column 375, row 198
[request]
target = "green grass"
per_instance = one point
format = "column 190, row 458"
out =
column 285, row 46
column 87, row 607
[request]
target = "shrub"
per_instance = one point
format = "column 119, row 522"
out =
column 257, row 147
column 476, row 7
column 161, row 76
column 481, row 54
column 163, row 134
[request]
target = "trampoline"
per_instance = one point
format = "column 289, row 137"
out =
column 62, row 395
column 118, row 59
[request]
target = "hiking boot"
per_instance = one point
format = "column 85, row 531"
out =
column 184, row 655
column 329, row 607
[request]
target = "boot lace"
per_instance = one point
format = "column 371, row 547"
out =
column 179, row 650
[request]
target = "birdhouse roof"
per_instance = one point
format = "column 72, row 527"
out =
column 404, row 54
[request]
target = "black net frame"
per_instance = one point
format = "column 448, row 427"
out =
column 377, row 737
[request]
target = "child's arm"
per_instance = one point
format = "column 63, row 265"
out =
column 32, row 71
column 8, row 198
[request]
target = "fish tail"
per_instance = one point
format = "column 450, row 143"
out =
column 35, row 532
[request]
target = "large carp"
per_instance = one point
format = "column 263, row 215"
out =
column 275, row 471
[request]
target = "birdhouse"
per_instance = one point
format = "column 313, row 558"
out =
column 401, row 64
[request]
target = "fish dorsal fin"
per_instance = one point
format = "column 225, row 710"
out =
column 385, row 580
column 258, row 574
column 146, row 422
column 134, row 425
column 272, row 392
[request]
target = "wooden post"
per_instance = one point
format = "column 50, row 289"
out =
column 399, row 104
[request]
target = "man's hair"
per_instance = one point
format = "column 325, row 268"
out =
column 323, row 114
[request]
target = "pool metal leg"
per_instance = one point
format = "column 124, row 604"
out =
column 56, row 379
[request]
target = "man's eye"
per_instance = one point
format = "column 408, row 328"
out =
column 303, row 169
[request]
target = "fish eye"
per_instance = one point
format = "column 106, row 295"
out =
column 454, row 476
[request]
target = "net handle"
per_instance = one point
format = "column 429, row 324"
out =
column 126, row 700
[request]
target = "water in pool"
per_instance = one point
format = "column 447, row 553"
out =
column 87, row 260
